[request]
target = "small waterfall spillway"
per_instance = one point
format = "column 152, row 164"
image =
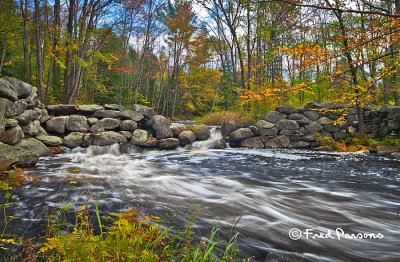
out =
column 215, row 134
column 271, row 191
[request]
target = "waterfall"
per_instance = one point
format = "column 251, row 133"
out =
column 215, row 134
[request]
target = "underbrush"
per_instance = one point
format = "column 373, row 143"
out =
column 219, row 118
column 357, row 143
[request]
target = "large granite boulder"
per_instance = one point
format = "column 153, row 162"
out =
column 128, row 125
column 10, row 123
column 281, row 141
column 201, row 132
column 73, row 139
column 108, row 123
column 56, row 124
column 228, row 127
column 263, row 124
column 161, row 127
column 114, row 107
column 50, row 140
column 139, row 137
column 89, row 109
column 7, row 90
column 23, row 89
column 62, row 110
column 269, row 132
column 168, row 143
column 107, row 114
column 28, row 116
column 146, row 111
column 186, row 137
column 312, row 115
column 2, row 118
column 217, row 144
column 253, row 142
column 287, row 124
column 131, row 115
column 240, row 134
column 15, row 108
column 314, row 127
column 12, row 135
column 32, row 129
column 104, row 138
column 177, row 128
column 10, row 155
column 274, row 117
column 76, row 123
column 285, row 109
column 35, row 146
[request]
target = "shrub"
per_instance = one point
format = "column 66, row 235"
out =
column 219, row 118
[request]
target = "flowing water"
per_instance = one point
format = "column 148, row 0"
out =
column 269, row 191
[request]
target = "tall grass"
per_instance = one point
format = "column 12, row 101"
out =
column 219, row 118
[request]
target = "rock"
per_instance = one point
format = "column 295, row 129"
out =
column 386, row 150
column 299, row 144
column 130, row 149
column 313, row 105
column 146, row 111
column 7, row 90
column 151, row 142
column 107, row 114
column 56, row 124
column 394, row 113
column 228, row 127
column 77, row 123
column 73, row 139
column 15, row 108
column 23, row 89
column 128, row 125
column 312, row 115
column 177, row 128
column 287, row 124
column 262, row 124
column 126, row 134
column 92, row 120
column 217, row 144
column 35, row 146
column 240, row 134
column 62, row 110
column 10, row 155
column 393, row 125
column 201, row 132
column 269, row 132
column 274, row 117
column 28, row 116
column 168, row 143
column 12, row 135
column 395, row 155
column 96, row 129
column 108, row 123
column 9, row 122
column 132, row 115
column 280, row 141
column 352, row 129
column 139, row 137
column 331, row 128
column 44, row 119
column 325, row 121
column 104, row 138
column 340, row 135
column 186, row 137
column 255, row 130
column 308, row 138
column 114, row 107
column 304, row 121
column 270, row 144
column 50, row 140
column 32, row 99
column 286, row 109
column 161, row 126
column 314, row 127
column 253, row 142
column 296, row 116
column 2, row 118
column 89, row 109
column 32, row 128
column 286, row 132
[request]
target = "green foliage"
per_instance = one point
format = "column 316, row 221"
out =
column 219, row 118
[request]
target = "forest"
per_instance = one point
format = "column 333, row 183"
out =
column 190, row 58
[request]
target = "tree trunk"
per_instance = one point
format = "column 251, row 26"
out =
column 39, row 51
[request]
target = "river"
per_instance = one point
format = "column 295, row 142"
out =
column 268, row 191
